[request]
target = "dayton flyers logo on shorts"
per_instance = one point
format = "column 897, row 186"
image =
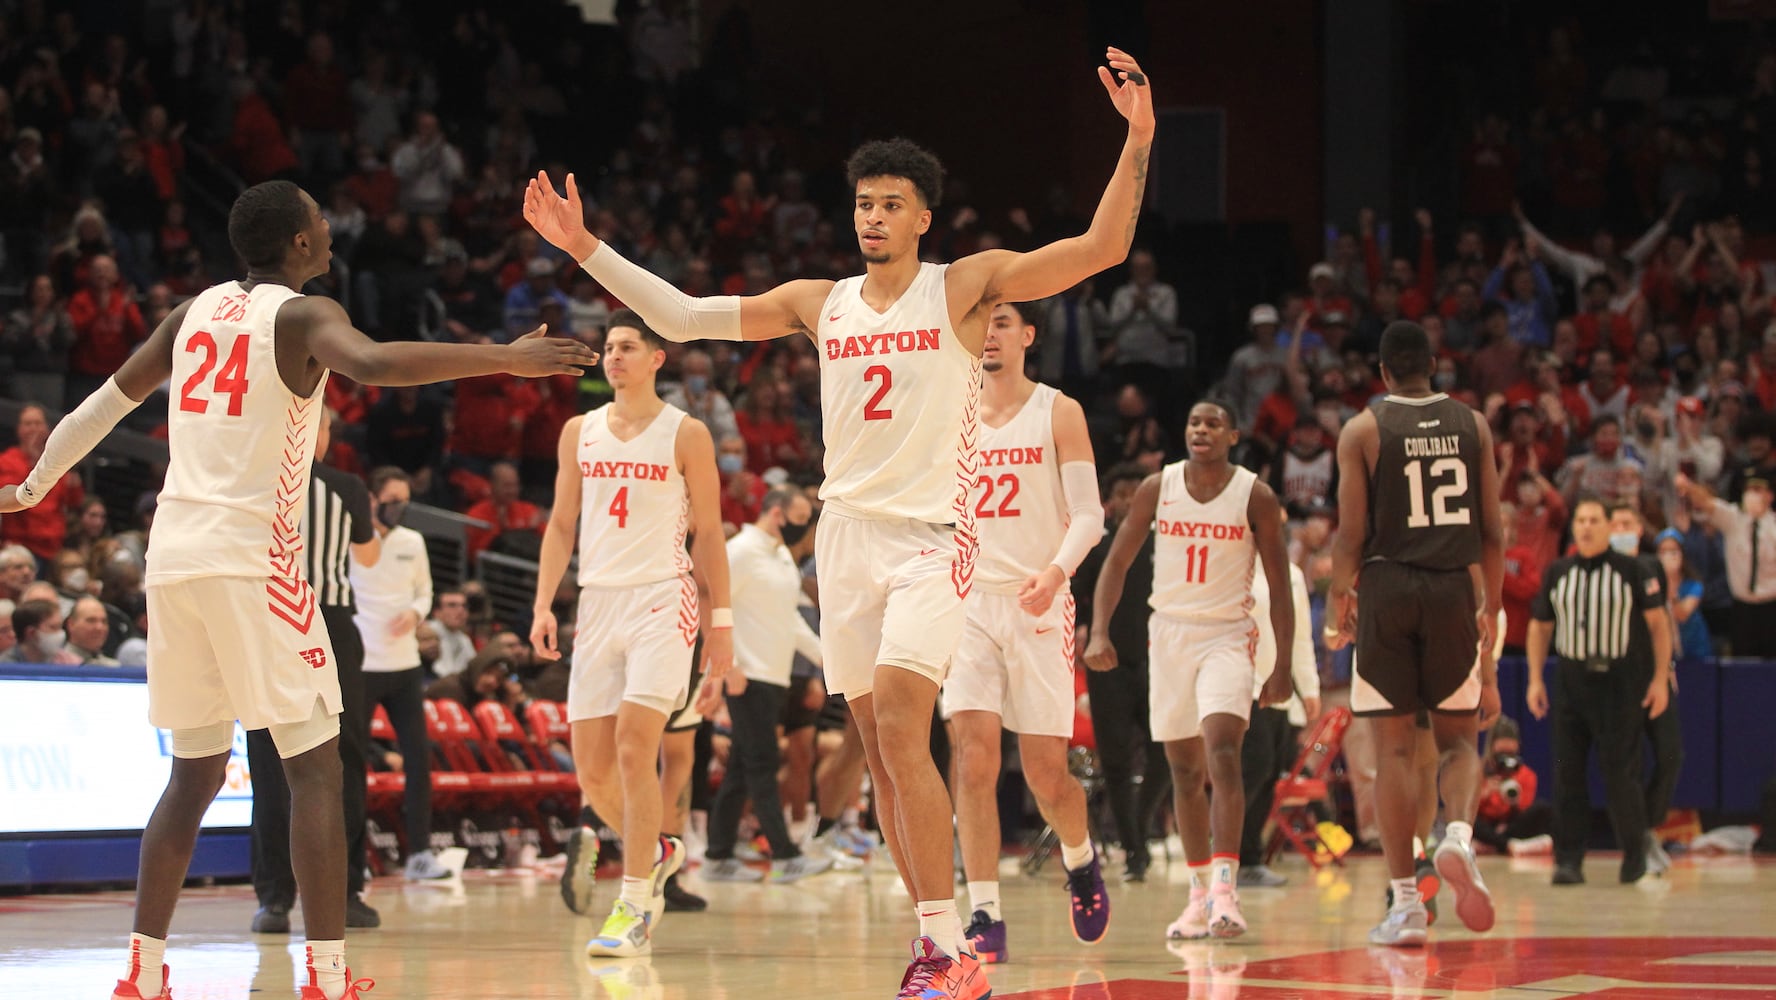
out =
column 316, row 658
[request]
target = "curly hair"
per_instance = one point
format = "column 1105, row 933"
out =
column 898, row 158
column 263, row 221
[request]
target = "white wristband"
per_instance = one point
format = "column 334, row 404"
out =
column 721, row 617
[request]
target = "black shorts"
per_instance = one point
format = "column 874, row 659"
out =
column 835, row 716
column 796, row 715
column 687, row 717
column 1417, row 642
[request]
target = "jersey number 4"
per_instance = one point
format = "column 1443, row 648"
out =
column 231, row 381
column 1449, row 476
column 619, row 507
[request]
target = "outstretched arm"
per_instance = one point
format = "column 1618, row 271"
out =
column 996, row 276
column 792, row 307
column 327, row 335
column 81, row 431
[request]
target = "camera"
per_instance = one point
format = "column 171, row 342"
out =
column 1511, row 791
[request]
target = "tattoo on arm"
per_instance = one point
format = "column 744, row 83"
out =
column 1140, row 193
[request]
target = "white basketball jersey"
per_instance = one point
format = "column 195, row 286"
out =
column 242, row 444
column 634, row 509
column 1204, row 552
column 1019, row 509
column 900, row 403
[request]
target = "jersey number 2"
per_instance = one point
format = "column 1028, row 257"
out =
column 1451, row 477
column 1007, row 482
column 231, row 381
column 873, row 410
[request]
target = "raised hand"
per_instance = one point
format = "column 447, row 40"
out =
column 561, row 221
column 1133, row 97
column 536, row 355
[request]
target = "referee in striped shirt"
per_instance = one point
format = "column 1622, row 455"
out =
column 336, row 522
column 1605, row 688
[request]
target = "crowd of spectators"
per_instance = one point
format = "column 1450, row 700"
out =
column 1596, row 284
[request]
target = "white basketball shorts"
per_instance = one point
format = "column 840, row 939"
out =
column 1015, row 665
column 632, row 644
column 1197, row 669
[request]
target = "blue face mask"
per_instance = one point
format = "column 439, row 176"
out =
column 730, row 464
column 1625, row 542
column 696, row 384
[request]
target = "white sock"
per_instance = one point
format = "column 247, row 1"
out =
column 1405, row 892
column 939, row 921
column 1459, row 832
column 1077, row 856
column 637, row 891
column 1199, row 876
column 326, row 967
column 146, row 956
column 982, row 896
column 1226, row 871
column 1418, row 847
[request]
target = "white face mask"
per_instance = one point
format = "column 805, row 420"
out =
column 51, row 643
column 74, row 579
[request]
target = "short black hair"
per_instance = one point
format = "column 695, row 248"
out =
column 1406, row 350
column 264, row 220
column 1123, row 472
column 1029, row 313
column 1225, row 406
column 30, row 614
column 898, row 158
column 1492, row 308
column 1623, row 505
column 1606, row 419
column 632, row 319
column 1590, row 498
column 383, row 475
column 1603, row 279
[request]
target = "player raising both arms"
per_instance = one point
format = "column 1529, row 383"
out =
column 899, row 350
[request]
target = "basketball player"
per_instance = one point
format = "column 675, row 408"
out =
column 1212, row 521
column 637, row 474
column 899, row 349
column 236, row 634
column 1418, row 505
column 1036, row 504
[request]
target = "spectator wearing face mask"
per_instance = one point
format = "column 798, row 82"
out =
column 1607, row 473
column 696, row 395
column 742, row 491
column 38, row 626
column 1748, row 534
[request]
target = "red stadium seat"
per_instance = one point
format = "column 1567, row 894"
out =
column 1309, row 781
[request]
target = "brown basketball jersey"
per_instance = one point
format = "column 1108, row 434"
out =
column 1424, row 492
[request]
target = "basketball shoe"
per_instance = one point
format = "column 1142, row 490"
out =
column 986, row 937
column 1225, row 918
column 1404, row 927
column 672, row 856
column 934, row 975
column 1193, row 923
column 580, row 877
column 126, row 988
column 1089, row 911
column 1455, row 864
column 624, row 934
column 354, row 988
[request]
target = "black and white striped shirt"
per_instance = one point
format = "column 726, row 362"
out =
column 1593, row 603
column 338, row 516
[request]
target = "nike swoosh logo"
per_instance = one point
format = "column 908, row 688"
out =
column 1167, row 503
column 656, row 610
column 1045, row 631
column 926, row 552
column 835, row 319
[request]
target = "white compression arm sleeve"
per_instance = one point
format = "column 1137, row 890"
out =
column 78, row 433
column 1079, row 484
column 673, row 314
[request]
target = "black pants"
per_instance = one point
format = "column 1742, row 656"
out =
column 1268, row 751
column 402, row 693
column 1665, row 735
column 1119, row 719
column 1600, row 710
column 273, row 880
column 1754, row 629
column 1531, row 822
column 752, row 772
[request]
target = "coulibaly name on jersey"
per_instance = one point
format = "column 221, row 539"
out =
column 872, row 344
column 1433, row 447
column 624, row 470
column 1200, row 529
column 1011, row 456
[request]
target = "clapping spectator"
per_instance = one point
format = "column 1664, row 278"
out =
column 37, row 338
column 428, row 166
column 697, row 395
column 1143, row 318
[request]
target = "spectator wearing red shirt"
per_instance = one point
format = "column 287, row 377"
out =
column 1417, row 284
column 489, row 418
column 558, row 401
column 42, row 528
column 1523, row 580
column 503, row 510
column 107, row 326
column 771, row 436
column 742, row 492
column 317, row 101
column 1534, row 440
column 744, row 216
column 256, row 140
column 1600, row 325
column 373, row 186
column 163, row 151
column 1540, row 516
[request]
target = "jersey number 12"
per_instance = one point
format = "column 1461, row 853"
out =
column 1449, row 476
